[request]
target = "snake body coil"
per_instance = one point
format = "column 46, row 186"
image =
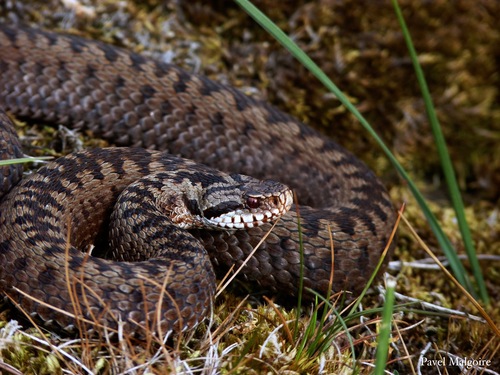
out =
column 132, row 100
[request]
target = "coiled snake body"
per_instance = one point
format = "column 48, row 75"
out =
column 132, row 100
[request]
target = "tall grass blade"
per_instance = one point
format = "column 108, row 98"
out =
column 281, row 37
column 446, row 164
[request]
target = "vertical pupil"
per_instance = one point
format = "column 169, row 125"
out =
column 252, row 202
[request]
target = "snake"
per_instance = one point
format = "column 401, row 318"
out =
column 163, row 119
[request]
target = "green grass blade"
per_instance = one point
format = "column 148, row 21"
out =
column 457, row 267
column 385, row 329
column 444, row 156
column 24, row 160
column 301, row 276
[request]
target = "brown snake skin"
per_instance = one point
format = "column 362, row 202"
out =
column 132, row 100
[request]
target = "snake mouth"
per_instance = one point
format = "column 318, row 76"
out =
column 241, row 219
column 268, row 209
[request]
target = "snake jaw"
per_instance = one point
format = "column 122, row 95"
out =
column 268, row 209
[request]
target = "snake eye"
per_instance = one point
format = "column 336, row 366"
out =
column 253, row 202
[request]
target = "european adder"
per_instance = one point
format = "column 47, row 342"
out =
column 132, row 100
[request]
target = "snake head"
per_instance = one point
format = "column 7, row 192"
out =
column 249, row 203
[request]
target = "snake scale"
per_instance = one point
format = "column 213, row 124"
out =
column 135, row 101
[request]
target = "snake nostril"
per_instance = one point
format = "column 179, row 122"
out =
column 275, row 201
